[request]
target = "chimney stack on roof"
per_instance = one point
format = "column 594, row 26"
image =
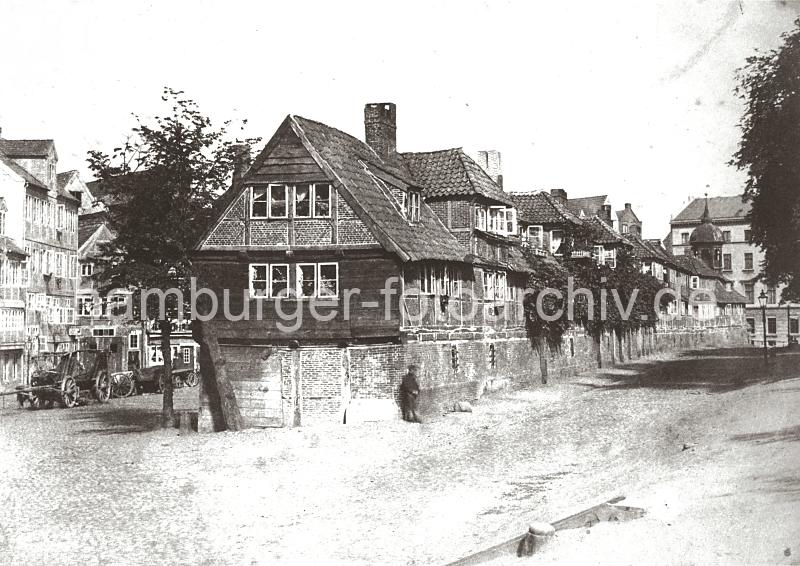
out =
column 605, row 214
column 380, row 127
column 490, row 162
column 560, row 195
column 627, row 206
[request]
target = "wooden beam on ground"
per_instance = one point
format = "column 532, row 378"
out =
column 212, row 369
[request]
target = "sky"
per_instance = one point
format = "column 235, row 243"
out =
column 631, row 99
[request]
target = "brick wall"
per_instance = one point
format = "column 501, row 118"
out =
column 439, row 207
column 316, row 383
column 460, row 211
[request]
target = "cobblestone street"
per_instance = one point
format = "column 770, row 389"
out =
column 97, row 485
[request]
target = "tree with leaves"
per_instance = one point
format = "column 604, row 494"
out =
column 160, row 186
column 769, row 152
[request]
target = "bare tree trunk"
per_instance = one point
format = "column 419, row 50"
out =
column 167, row 409
column 598, row 346
column 541, row 349
column 215, row 376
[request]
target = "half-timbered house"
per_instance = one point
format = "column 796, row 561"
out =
column 344, row 261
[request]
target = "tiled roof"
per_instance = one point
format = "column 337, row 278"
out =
column 728, row 297
column 451, row 172
column 542, row 208
column 26, row 148
column 627, row 215
column 7, row 245
column 88, row 225
column 22, row 172
column 603, row 233
column 644, row 250
column 588, row 205
column 62, row 180
column 696, row 266
column 353, row 166
column 720, row 208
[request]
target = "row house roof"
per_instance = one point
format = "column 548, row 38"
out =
column 726, row 208
column 603, row 233
column 542, row 208
column 586, row 206
column 451, row 172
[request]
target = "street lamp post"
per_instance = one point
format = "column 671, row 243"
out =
column 762, row 301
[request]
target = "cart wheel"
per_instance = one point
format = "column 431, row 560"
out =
column 102, row 387
column 192, row 380
column 70, row 392
column 122, row 385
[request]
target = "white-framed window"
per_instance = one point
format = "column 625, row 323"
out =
column 772, row 325
column 59, row 264
column 556, row 238
column 694, row 282
column 322, row 200
column 610, row 258
column 624, row 228
column 413, row 205
column 187, row 354
column 133, row 341
column 684, row 237
column 302, row 200
column 259, row 202
column 535, row 236
column 511, row 222
column 278, row 201
column 85, row 305
column 480, row 218
column 87, row 269
column 103, row 332
column 259, row 282
column 497, row 219
column 2, row 222
column 306, row 281
column 60, row 216
column 279, row 280
column 328, row 284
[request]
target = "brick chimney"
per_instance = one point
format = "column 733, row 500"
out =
column 605, row 214
column 380, row 127
column 490, row 162
column 560, row 195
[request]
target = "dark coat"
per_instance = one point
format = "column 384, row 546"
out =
column 410, row 385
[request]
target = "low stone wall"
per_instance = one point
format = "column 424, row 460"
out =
column 318, row 384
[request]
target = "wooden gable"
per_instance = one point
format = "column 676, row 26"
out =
column 285, row 160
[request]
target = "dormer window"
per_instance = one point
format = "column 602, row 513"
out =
column 535, row 236
column 694, row 282
column 413, row 205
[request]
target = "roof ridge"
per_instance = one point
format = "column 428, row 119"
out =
column 460, row 149
column 351, row 136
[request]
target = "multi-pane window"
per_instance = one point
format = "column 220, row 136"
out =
column 556, row 237
column 751, row 325
column 413, row 205
column 259, row 282
column 794, row 325
column 748, row 261
column 624, row 228
column 84, row 305
column 684, row 237
column 772, row 325
column 278, row 201
column 103, row 332
column 259, row 201
column 748, row 234
column 494, row 285
column 87, row 269
column 480, row 218
column 511, row 222
column 302, row 201
column 694, row 282
column 610, row 258
column 772, row 295
column 536, row 236
column 133, row 341
column 310, row 280
column 306, row 279
column 279, row 280
column 187, row 355
column 726, row 262
column 726, row 235
column 60, row 217
column 322, row 200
